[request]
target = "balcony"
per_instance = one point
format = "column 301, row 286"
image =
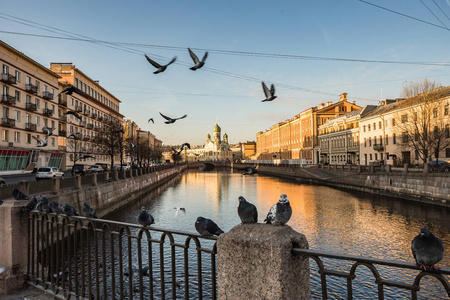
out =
column 48, row 112
column 33, row 89
column 90, row 126
column 87, row 112
column 31, row 106
column 83, row 124
column 79, row 109
column 47, row 95
column 100, row 118
column 7, row 78
column 378, row 147
column 94, row 116
column 8, row 122
column 62, row 133
column 86, row 138
column 30, row 126
column 61, row 101
column 97, row 128
column 9, row 100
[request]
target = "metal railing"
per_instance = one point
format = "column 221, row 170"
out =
column 89, row 259
column 370, row 263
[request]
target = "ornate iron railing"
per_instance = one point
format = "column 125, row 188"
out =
column 370, row 263
column 88, row 258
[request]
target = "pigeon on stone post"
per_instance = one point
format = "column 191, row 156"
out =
column 280, row 213
column 247, row 212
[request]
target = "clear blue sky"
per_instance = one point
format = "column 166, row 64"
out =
column 348, row 29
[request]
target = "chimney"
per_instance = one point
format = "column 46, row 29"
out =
column 343, row 97
column 329, row 103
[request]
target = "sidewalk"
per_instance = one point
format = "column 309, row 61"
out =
column 30, row 293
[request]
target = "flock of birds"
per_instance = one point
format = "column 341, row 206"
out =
column 426, row 248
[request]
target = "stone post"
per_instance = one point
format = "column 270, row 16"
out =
column 13, row 241
column 372, row 169
column 56, row 182
column 426, row 168
column 116, row 176
column 359, row 169
column 24, row 187
column 77, row 182
column 255, row 261
column 405, row 168
column 107, row 174
column 388, row 168
column 94, row 179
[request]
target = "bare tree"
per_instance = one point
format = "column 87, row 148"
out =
column 74, row 147
column 421, row 122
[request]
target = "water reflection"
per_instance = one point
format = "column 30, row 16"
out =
column 331, row 219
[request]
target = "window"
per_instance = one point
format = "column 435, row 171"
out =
column 17, row 96
column 364, row 128
column 28, row 80
column 405, row 137
column 415, row 116
column 368, row 127
column 435, row 112
column 370, row 156
column 37, row 121
column 393, row 122
column 446, row 109
column 5, row 69
column 394, row 140
column 37, row 102
column 447, row 152
column 76, row 82
column 365, row 158
column 17, row 136
column 447, row 131
column 53, row 141
column 404, row 118
column 376, row 156
column 28, row 99
column 28, row 138
column 370, row 142
column 386, row 142
column 379, row 125
column 17, row 76
column 374, row 140
column 381, row 156
column 374, row 126
column 17, row 115
column 381, row 140
column 4, row 135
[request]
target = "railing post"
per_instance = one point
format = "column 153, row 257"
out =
column 56, row 182
column 255, row 261
column 94, row 179
column 24, row 187
column 405, row 168
column 77, row 182
column 388, row 168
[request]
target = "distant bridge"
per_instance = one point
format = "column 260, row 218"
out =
column 209, row 165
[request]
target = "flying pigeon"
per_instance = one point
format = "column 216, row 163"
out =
column 18, row 195
column 250, row 171
column 178, row 209
column 270, row 94
column 185, row 145
column 427, row 249
column 247, row 211
column 69, row 210
column 41, row 143
column 170, row 120
column 280, row 213
column 151, row 119
column 137, row 272
column 43, row 206
column 144, row 218
column 158, row 66
column 198, row 63
column 56, row 207
column 118, row 131
column 71, row 112
column 75, row 135
column 88, row 211
column 207, row 227
column 71, row 89
column 84, row 156
column 49, row 131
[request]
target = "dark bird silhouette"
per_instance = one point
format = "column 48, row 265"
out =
column 170, row 120
column 247, row 212
column 118, row 131
column 70, row 90
column 270, row 94
column 18, row 195
column 198, row 63
column 175, row 152
column 250, row 171
column 158, row 66
column 43, row 206
column 49, row 131
column 41, row 143
column 185, row 145
column 207, row 227
column 151, row 119
column 31, row 205
column 69, row 210
column 145, row 218
column 280, row 213
column 75, row 135
column 88, row 211
column 71, row 112
column 84, row 156
column 427, row 249
column 1, row 201
column 56, row 207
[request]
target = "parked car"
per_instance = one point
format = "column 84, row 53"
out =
column 97, row 169
column 106, row 167
column 81, row 169
column 49, row 172
column 439, row 165
column 126, row 166
column 2, row 182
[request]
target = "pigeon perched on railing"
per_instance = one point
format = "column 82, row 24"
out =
column 207, row 227
column 69, row 210
column 88, row 211
column 247, row 212
column 18, row 195
column 43, row 206
column 30, row 206
column 145, row 218
column 280, row 213
column 56, row 207
column 427, row 249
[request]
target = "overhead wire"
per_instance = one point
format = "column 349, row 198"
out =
column 441, row 10
column 433, row 13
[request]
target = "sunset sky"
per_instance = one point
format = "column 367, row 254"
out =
column 312, row 51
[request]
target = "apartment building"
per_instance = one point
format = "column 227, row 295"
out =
column 100, row 116
column 29, row 108
column 297, row 138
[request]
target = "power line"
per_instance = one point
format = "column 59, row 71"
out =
column 441, row 10
column 404, row 15
column 433, row 13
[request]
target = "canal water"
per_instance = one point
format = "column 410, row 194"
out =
column 331, row 219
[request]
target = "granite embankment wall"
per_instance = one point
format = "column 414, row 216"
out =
column 414, row 185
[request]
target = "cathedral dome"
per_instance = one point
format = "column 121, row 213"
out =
column 225, row 135
column 208, row 136
column 216, row 128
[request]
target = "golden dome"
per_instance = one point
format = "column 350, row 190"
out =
column 216, row 128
